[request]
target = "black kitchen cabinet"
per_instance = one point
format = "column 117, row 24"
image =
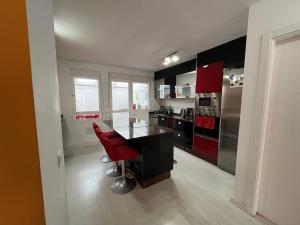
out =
column 169, row 74
column 165, row 121
column 162, row 121
column 183, row 131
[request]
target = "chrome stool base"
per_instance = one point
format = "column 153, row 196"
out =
column 105, row 159
column 123, row 185
column 114, row 171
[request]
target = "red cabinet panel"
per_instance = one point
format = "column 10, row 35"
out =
column 205, row 122
column 210, row 78
column 206, row 148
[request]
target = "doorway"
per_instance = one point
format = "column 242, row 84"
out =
column 279, row 187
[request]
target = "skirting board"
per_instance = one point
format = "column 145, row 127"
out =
column 259, row 217
column 238, row 204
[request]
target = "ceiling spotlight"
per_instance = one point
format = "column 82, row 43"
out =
column 168, row 59
column 175, row 58
column 166, row 63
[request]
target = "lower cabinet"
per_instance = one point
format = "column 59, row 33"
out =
column 183, row 131
column 163, row 121
column 179, row 138
column 206, row 148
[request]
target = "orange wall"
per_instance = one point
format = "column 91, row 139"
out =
column 21, row 200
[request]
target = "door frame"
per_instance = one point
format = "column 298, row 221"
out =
column 263, row 95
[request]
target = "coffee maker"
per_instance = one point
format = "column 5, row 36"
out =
column 189, row 113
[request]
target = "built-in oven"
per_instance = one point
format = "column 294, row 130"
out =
column 208, row 104
column 207, row 114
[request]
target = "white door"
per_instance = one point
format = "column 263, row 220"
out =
column 279, row 195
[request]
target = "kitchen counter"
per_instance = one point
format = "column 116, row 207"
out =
column 154, row 144
column 177, row 117
column 135, row 128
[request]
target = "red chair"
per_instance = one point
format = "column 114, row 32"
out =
column 124, row 184
column 113, row 171
column 110, row 134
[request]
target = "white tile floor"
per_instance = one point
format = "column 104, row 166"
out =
column 198, row 193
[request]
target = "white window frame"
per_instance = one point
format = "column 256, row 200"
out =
column 94, row 77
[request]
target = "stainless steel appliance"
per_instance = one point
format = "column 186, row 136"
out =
column 230, row 118
column 207, row 114
column 208, row 104
column 189, row 113
column 182, row 113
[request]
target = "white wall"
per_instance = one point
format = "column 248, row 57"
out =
column 78, row 133
column 264, row 17
column 47, row 109
column 177, row 104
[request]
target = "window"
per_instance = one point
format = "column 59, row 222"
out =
column 140, row 94
column 86, row 93
column 120, row 96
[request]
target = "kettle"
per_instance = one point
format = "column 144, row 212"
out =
column 182, row 113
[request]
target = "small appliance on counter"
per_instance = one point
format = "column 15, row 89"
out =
column 169, row 111
column 189, row 113
column 182, row 113
column 165, row 110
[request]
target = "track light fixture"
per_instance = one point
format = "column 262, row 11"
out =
column 173, row 58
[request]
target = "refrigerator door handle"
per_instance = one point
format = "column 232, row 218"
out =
column 221, row 132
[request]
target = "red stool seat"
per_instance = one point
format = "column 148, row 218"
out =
column 117, row 150
column 109, row 134
column 121, row 153
column 112, row 135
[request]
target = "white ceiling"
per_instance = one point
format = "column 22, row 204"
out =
column 139, row 33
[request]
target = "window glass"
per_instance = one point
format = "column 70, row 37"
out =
column 120, row 95
column 140, row 94
column 86, row 95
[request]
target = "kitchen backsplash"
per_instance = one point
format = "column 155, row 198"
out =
column 177, row 104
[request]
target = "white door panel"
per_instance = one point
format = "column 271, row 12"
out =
column 279, row 198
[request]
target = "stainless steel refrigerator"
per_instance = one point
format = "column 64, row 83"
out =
column 230, row 118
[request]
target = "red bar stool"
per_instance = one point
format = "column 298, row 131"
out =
column 124, row 184
column 110, row 134
column 113, row 171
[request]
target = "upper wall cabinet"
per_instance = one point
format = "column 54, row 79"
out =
column 210, row 78
column 231, row 53
column 185, row 85
column 162, row 90
column 170, row 74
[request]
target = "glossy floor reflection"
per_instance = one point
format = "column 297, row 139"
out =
column 198, row 193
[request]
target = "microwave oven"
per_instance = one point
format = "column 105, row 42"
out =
column 208, row 104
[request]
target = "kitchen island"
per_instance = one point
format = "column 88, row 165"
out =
column 155, row 147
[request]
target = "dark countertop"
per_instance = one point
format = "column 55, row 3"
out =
column 177, row 117
column 135, row 128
